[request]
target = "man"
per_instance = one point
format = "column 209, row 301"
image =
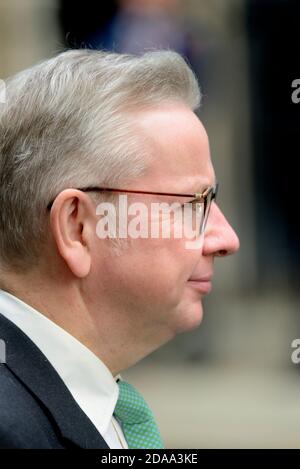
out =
column 78, row 307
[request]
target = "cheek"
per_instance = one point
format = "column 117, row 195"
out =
column 158, row 269
column 145, row 272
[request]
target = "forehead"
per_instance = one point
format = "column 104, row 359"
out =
column 179, row 146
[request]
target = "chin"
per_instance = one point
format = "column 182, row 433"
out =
column 190, row 317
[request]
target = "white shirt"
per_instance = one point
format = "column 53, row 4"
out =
column 88, row 379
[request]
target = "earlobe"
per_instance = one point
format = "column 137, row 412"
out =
column 79, row 263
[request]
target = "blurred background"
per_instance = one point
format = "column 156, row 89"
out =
column 230, row 383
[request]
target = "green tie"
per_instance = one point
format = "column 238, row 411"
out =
column 136, row 419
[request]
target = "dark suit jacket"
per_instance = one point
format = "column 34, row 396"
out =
column 36, row 408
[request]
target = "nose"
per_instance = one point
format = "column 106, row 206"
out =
column 220, row 238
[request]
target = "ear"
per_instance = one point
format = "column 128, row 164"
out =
column 72, row 222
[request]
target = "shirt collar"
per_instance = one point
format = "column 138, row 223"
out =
column 88, row 379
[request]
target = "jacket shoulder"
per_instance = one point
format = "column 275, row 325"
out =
column 23, row 422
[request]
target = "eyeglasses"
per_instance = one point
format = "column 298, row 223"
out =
column 204, row 198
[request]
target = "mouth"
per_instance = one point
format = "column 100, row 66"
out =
column 202, row 285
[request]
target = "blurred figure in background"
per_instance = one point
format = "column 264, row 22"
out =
column 144, row 24
column 133, row 26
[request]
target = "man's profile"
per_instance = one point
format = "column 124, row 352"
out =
column 78, row 307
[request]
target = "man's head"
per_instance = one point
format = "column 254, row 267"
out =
column 96, row 119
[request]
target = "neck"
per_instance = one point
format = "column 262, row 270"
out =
column 118, row 343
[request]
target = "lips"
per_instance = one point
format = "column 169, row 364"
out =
column 203, row 284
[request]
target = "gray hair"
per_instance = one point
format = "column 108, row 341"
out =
column 69, row 122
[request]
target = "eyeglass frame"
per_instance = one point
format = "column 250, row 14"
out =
column 198, row 197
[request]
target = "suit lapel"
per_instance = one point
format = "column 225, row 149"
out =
column 33, row 369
